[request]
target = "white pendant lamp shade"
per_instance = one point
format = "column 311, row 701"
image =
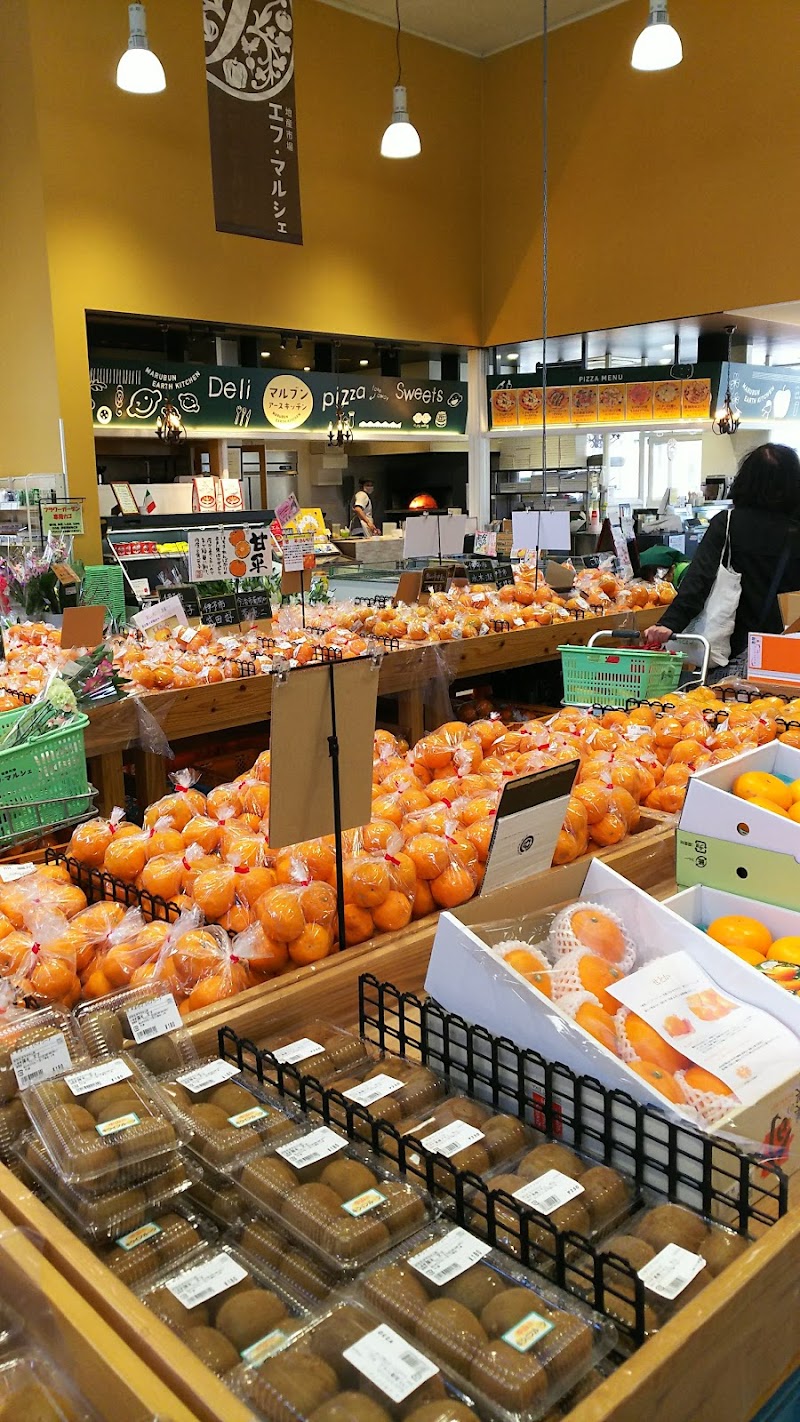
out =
column 401, row 139
column 139, row 70
column 659, row 45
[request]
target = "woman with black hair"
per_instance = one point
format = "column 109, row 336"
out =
column 764, row 529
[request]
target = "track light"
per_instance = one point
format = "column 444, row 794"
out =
column 139, row 70
column 298, row 345
column 659, row 45
column 401, row 139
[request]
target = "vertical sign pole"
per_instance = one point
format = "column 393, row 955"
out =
column 333, row 750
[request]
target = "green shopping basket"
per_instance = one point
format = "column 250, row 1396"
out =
column 606, row 676
column 43, row 782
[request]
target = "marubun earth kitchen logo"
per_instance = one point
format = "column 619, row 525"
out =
column 249, row 47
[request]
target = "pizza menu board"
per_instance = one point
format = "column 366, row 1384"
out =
column 596, row 399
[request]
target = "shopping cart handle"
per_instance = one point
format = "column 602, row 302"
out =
column 620, row 634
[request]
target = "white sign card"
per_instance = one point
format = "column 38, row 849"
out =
column 527, row 824
column 421, row 536
column 295, row 552
column 554, row 529
column 168, row 613
column 525, row 530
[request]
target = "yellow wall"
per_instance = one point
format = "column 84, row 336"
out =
column 390, row 249
column 29, row 437
column 670, row 194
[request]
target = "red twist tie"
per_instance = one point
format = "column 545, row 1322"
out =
column 234, row 959
column 448, row 803
column 241, row 869
column 185, row 863
column 35, row 948
column 391, row 859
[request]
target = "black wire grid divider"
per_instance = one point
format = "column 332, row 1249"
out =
column 669, row 1159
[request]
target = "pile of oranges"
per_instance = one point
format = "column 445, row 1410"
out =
column 769, row 792
column 586, row 951
column 777, row 958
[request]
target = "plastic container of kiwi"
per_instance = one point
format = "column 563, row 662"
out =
column 513, row 1342
column 333, row 1197
column 32, row 1386
column 676, row 1253
column 34, row 1047
column 458, row 1134
column 278, row 1252
column 381, row 1087
column 224, row 1307
column 142, row 1021
column 102, row 1218
column 218, row 1199
column 318, row 1049
column 168, row 1236
column 348, row 1365
column 224, row 1119
column 106, row 1124
column 554, row 1188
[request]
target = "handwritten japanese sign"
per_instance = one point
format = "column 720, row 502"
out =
column 229, row 553
column 253, row 118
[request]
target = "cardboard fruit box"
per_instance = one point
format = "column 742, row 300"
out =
column 467, row 978
column 730, row 844
column 701, row 905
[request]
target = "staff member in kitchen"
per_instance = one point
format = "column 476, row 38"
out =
column 362, row 523
column 764, row 548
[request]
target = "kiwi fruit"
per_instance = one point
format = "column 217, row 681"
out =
column 96, row 1100
column 107, row 1027
column 231, row 1098
column 672, row 1224
column 306, row 1274
column 293, row 1384
column 397, row 1292
column 462, row 1108
column 263, row 1242
column 13, row 1120
column 178, row 1095
column 513, row 1380
column 332, row 1337
column 270, row 1180
column 422, row 1088
column 123, row 1106
column 551, row 1156
column 69, row 1118
column 32, row 1402
column 163, row 1302
column 159, row 1055
column 636, row 1252
column 310, row 1206
column 475, row 1288
column 207, row 1119
column 107, row 1210
column 720, row 1248
column 212, row 1348
column 507, row 1309
column 473, row 1159
column 348, row 1178
column 451, row 1332
column 403, row 1210
column 177, row 1236
column 351, row 1407
column 146, row 1139
column 349, row 1239
column 605, row 1195
column 505, row 1136
column 566, row 1350
column 57, row 1093
column 246, row 1317
column 222, row 1202
column 448, row 1410
column 90, row 1155
column 431, row 1391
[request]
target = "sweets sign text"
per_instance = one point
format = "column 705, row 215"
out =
column 230, row 399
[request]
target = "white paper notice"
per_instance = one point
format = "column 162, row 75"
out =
column 391, row 1363
column 154, row 1018
column 549, row 1192
column 745, row 1047
column 315, row 1146
column 212, row 1074
column 448, row 1141
column 298, row 1051
column 373, row 1090
column 450, row 1257
column 206, row 1280
column 41, row 1061
column 671, row 1270
column 9, row 873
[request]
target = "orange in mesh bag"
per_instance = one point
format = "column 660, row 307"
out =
column 181, row 805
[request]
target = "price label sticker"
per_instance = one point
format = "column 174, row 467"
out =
column 298, row 1051
column 362, row 1204
column 154, row 1018
column 448, row 1141
column 212, row 1074
column 549, row 1192
column 450, row 1257
column 41, row 1061
column 264, row 1348
column 248, row 1117
column 81, row 1083
column 391, row 1363
column 527, row 1332
column 119, row 1123
column 206, row 1280
column 367, row 1092
column 9, row 873
column 315, row 1146
column 138, row 1236
column 671, row 1271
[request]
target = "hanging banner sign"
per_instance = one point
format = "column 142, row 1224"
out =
column 64, row 518
column 603, row 397
column 252, row 118
column 764, row 394
column 127, row 397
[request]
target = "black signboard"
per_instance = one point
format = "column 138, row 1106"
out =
column 480, row 570
column 220, row 610
column 437, row 579
column 187, row 594
column 254, row 604
column 503, row 575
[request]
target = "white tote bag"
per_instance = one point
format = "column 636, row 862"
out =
column 716, row 621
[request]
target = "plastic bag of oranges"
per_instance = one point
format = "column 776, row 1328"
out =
column 89, row 842
column 198, row 966
column 379, row 881
column 130, row 945
column 181, row 805
column 301, row 915
column 48, row 972
column 50, row 887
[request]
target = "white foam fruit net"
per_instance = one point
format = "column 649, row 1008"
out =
column 709, row 1105
column 564, row 939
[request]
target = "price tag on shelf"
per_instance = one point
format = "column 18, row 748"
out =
column 212, row 1074
column 81, row 1083
column 451, row 1139
column 154, row 1018
column 206, row 1280
column 672, row 1269
column 311, row 1148
column 549, row 1192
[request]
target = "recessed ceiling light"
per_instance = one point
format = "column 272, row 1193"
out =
column 513, row 355
column 306, row 367
column 265, row 355
column 363, row 362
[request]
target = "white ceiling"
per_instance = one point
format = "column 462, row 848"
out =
column 479, row 27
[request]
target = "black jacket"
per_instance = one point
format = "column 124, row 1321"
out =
column 759, row 539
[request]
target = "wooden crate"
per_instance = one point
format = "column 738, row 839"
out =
column 83, row 1346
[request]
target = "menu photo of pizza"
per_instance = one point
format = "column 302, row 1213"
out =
column 667, row 400
column 584, row 404
column 530, row 406
column 558, row 405
column 504, row 409
column 696, row 399
column 610, row 403
column 640, row 400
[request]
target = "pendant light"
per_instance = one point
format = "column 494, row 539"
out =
column 659, row 45
column 401, row 139
column 139, row 70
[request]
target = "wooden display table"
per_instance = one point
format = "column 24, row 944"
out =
column 404, row 674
